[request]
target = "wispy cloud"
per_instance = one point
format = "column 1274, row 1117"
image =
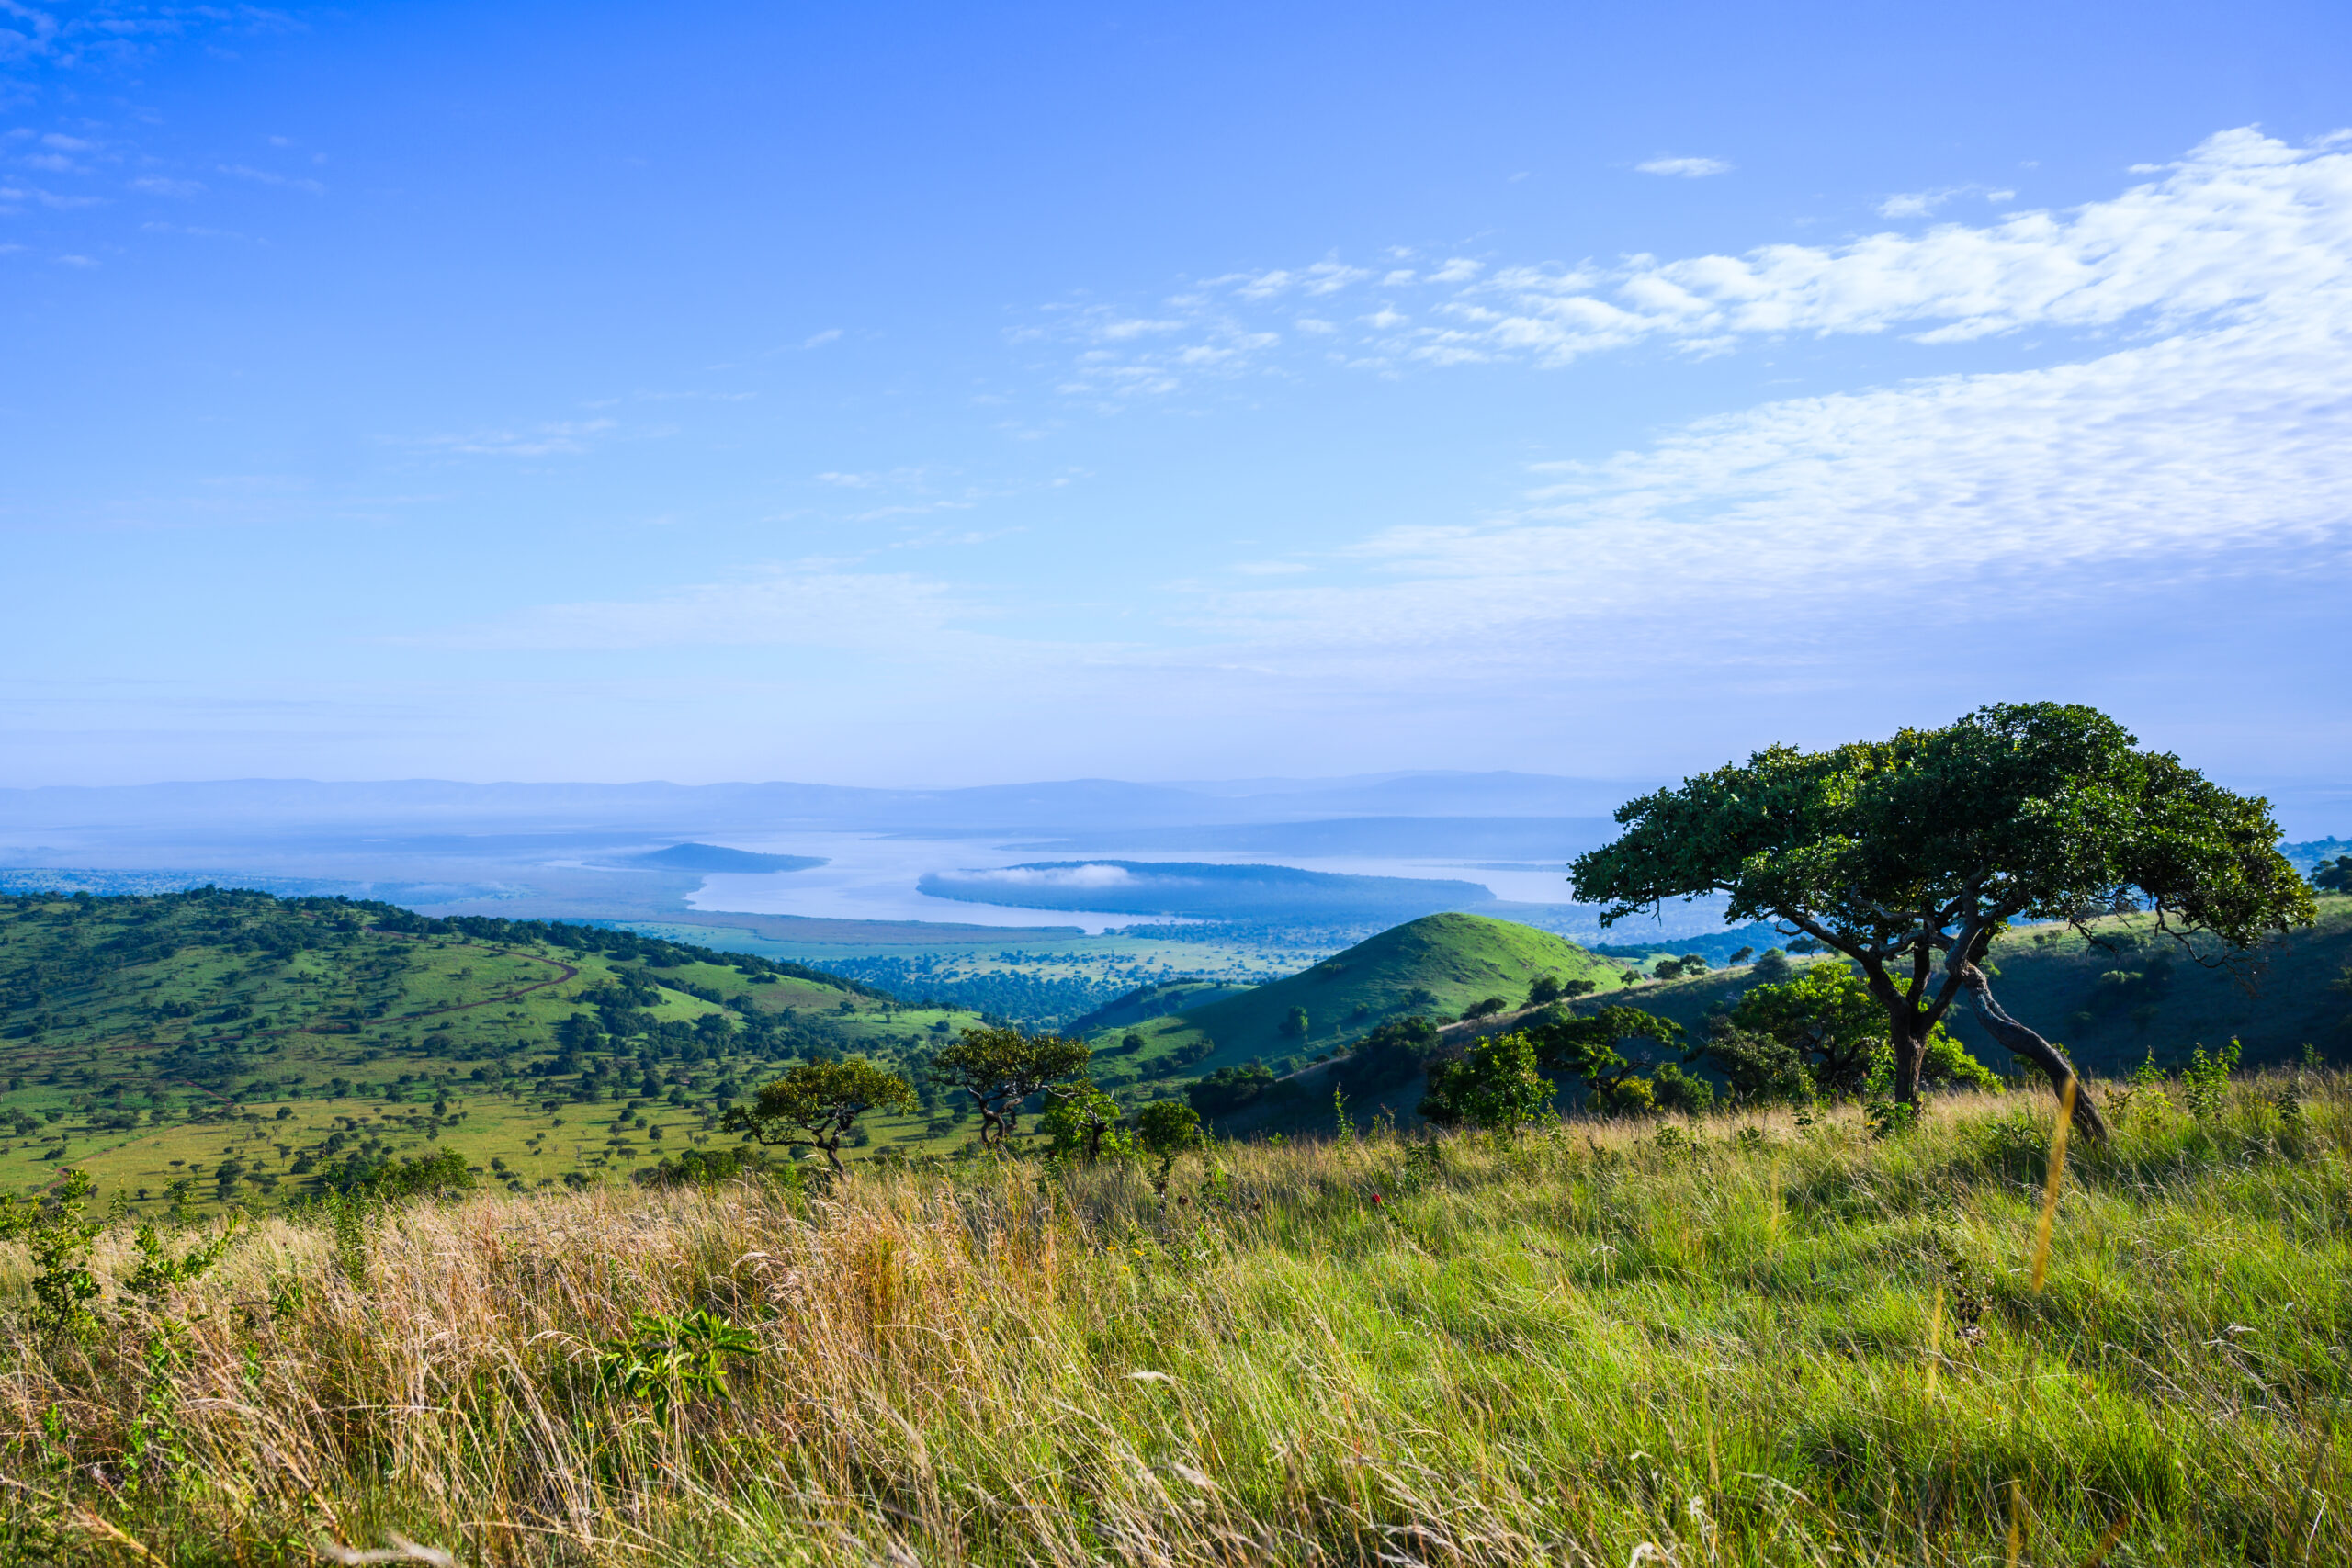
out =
column 1924, row 203
column 272, row 178
column 554, row 438
column 2244, row 224
column 1684, row 168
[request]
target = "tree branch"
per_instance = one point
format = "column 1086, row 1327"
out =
column 2025, row 1043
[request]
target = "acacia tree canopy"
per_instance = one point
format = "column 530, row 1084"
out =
column 817, row 1104
column 1909, row 855
column 1000, row 1068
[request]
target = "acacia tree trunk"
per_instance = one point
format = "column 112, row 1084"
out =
column 2025, row 1043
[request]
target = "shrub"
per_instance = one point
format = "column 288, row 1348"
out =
column 1227, row 1090
column 1677, row 1091
column 1082, row 1123
column 1169, row 1127
column 390, row 1179
column 1494, row 1086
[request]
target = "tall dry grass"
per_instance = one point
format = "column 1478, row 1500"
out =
column 1588, row 1344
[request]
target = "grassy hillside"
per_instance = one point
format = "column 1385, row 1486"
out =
column 2142, row 992
column 1147, row 1003
column 1439, row 963
column 2162, row 998
column 232, row 1046
column 1742, row 1341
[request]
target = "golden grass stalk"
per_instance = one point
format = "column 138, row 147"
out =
column 2051, row 1183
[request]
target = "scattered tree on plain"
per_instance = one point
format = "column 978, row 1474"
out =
column 1000, row 1068
column 817, row 1104
column 1909, row 855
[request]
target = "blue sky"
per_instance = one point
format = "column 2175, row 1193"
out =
column 912, row 395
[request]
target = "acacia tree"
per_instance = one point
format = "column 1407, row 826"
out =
column 1000, row 1068
column 815, row 1105
column 1908, row 855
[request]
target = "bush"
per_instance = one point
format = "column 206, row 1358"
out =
column 1494, row 1086
column 701, row 1167
column 1675, row 1089
column 1167, row 1127
column 1227, row 1090
column 388, row 1179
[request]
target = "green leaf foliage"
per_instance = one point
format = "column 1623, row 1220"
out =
column 1168, row 1127
column 816, row 1105
column 1586, row 1048
column 1821, row 1035
column 1496, row 1085
column 1000, row 1068
column 444, row 1171
column 1082, row 1123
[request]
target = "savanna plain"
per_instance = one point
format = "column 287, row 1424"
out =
column 1734, row 1338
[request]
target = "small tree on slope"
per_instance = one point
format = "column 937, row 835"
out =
column 1000, row 1067
column 1909, row 855
column 815, row 1105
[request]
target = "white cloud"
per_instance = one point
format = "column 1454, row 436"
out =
column 1082, row 877
column 1685, row 168
column 2190, row 423
column 156, row 185
column 2242, row 223
column 271, row 177
column 556, row 438
column 2210, row 441
column 1916, row 204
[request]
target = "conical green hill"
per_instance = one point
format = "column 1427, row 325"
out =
column 1439, row 963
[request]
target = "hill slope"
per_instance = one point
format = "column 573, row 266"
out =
column 1438, row 963
column 2112, row 1006
column 237, row 1045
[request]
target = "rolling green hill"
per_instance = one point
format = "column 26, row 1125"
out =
column 1439, row 963
column 2112, row 1006
column 229, row 1044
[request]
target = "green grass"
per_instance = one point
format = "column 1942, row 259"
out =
column 1738, row 1341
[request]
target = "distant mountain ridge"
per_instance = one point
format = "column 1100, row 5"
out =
column 1045, row 808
